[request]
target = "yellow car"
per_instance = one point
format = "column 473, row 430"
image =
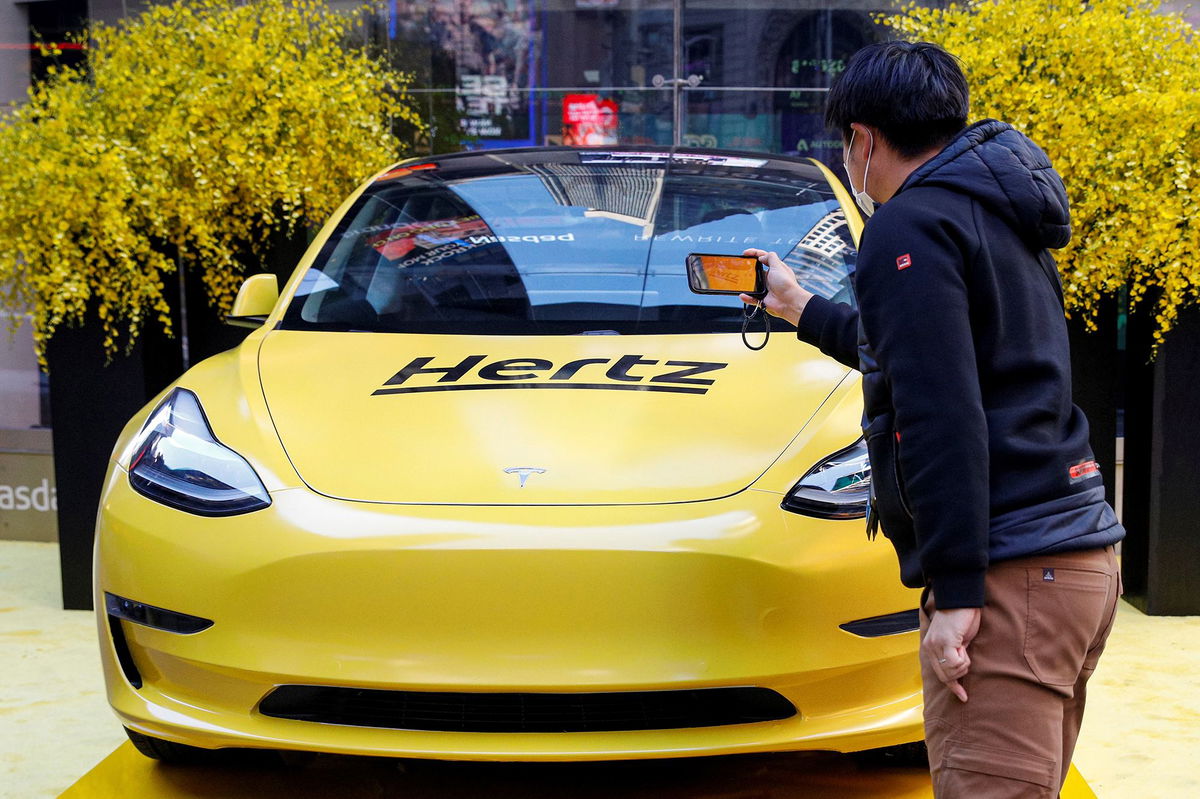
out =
column 488, row 482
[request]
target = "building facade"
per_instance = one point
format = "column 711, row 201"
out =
column 742, row 74
column 704, row 73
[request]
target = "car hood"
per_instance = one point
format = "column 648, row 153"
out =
column 556, row 420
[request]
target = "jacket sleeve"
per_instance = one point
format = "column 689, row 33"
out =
column 913, row 300
column 831, row 327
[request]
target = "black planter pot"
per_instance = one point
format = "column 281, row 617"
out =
column 1161, row 552
column 90, row 402
column 1096, row 385
column 91, row 399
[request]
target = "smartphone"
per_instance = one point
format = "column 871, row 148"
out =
column 710, row 273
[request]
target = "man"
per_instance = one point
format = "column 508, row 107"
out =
column 982, row 475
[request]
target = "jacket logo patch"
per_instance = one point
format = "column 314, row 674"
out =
column 904, row 261
column 1084, row 470
column 1048, row 575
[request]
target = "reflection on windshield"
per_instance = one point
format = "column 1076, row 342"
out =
column 394, row 242
column 563, row 248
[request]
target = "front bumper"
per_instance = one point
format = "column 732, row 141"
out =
column 315, row 591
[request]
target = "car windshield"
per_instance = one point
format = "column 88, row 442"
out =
column 565, row 248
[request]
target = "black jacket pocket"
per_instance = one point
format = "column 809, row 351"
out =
column 887, row 490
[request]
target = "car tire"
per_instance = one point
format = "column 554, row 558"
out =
column 912, row 755
column 178, row 754
column 170, row 751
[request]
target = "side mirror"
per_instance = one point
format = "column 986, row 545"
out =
column 255, row 301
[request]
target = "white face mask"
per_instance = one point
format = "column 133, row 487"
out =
column 861, row 197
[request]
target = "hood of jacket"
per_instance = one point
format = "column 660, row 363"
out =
column 1009, row 174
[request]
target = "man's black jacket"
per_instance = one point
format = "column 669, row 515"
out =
column 977, row 452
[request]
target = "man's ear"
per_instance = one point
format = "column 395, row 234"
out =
column 864, row 136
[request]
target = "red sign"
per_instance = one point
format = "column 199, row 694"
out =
column 402, row 239
column 589, row 120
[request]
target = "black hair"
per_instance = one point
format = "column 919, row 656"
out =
column 915, row 93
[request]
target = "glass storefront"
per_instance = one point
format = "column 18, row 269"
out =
column 23, row 398
column 27, row 497
column 700, row 73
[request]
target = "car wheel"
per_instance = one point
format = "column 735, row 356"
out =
column 183, row 755
column 169, row 751
column 912, row 755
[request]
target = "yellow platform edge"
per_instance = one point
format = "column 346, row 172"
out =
column 127, row 774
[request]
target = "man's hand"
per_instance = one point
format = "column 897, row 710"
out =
column 785, row 297
column 945, row 646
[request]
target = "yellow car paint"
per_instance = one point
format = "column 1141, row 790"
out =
column 257, row 296
column 687, row 595
column 692, row 419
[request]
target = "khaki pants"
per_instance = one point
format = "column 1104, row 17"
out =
column 1041, row 633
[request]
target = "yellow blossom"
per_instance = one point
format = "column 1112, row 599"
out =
column 1111, row 90
column 196, row 129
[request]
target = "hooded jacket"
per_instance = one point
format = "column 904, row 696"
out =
column 978, row 454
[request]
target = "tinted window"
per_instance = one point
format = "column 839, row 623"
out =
column 562, row 248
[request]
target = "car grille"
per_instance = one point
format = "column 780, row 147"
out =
column 526, row 712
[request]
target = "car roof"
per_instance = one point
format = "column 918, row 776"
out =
column 678, row 160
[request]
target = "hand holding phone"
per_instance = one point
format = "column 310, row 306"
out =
column 739, row 275
column 785, row 297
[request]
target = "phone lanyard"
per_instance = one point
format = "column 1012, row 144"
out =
column 748, row 313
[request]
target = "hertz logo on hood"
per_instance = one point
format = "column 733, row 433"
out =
column 626, row 373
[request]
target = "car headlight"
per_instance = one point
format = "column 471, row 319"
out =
column 178, row 462
column 838, row 487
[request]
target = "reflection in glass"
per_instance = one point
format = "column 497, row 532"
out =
column 568, row 242
column 494, row 73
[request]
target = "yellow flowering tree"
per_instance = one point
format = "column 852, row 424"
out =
column 1111, row 90
column 195, row 131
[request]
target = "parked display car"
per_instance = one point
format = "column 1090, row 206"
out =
column 488, row 482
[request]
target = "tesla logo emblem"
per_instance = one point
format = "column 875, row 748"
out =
column 523, row 472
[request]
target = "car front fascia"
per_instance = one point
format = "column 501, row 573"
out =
column 718, row 593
